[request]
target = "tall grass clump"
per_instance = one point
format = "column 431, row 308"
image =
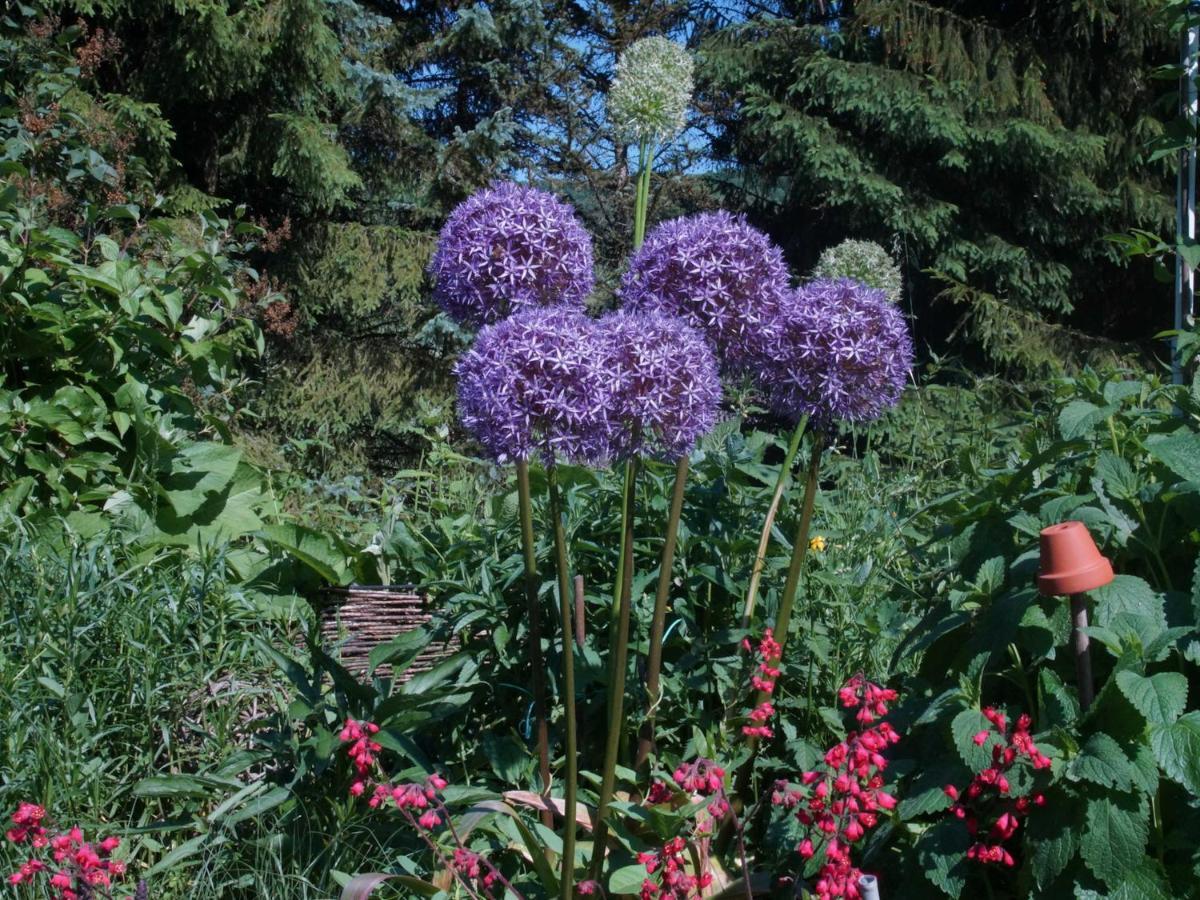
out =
column 115, row 669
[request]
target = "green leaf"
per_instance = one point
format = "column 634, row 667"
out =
column 1180, row 454
column 627, row 880
column 1117, row 475
column 197, row 471
column 183, row 852
column 313, row 549
column 259, row 805
column 1161, row 698
column 1177, row 749
column 1079, row 417
column 172, row 786
column 1114, row 840
column 1102, row 761
column 1126, row 603
column 1146, row 882
column 927, row 792
column 942, row 853
column 965, row 726
column 1054, row 840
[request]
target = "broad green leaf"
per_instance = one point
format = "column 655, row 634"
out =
column 1079, row 417
column 627, row 880
column 1127, row 602
column 1177, row 749
column 966, row 725
column 942, row 853
column 1114, row 837
column 1180, row 454
column 197, row 471
column 1054, row 841
column 1117, row 475
column 1161, row 698
column 927, row 792
column 315, row 550
column 1146, row 882
column 1102, row 761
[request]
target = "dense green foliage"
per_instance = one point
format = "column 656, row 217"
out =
column 984, row 140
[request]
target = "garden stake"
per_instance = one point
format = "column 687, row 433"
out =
column 567, row 879
column 868, row 887
column 620, row 653
column 658, row 624
column 764, row 540
column 1071, row 565
column 1080, row 646
column 525, row 509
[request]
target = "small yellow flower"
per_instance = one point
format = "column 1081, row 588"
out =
column 817, row 544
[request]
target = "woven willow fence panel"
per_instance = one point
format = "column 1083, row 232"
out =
column 356, row 620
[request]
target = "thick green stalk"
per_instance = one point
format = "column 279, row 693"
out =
column 641, row 201
column 764, row 540
column 783, row 618
column 658, row 624
column 567, row 879
column 525, row 509
column 620, row 655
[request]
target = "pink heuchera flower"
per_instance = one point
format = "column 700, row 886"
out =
column 763, row 680
column 845, row 799
column 991, row 815
column 81, row 866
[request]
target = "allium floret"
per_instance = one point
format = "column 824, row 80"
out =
column 863, row 261
column 666, row 392
column 838, row 351
column 716, row 272
column 509, row 248
column 652, row 89
column 536, row 383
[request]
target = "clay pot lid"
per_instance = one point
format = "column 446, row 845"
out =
column 1070, row 562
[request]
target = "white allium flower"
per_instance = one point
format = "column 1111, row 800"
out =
column 652, row 89
column 863, row 261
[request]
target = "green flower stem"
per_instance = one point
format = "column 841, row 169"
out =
column 641, row 202
column 567, row 879
column 764, row 540
column 783, row 618
column 620, row 655
column 525, row 509
column 658, row 624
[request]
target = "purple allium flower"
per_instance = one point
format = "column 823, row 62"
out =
column 535, row 382
column 838, row 350
column 666, row 391
column 510, row 248
column 715, row 271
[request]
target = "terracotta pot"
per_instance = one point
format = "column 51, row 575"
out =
column 1071, row 564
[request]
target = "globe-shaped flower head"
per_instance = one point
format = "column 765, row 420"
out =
column 510, row 248
column 535, row 383
column 665, row 388
column 715, row 271
column 863, row 261
column 650, row 94
column 839, row 351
